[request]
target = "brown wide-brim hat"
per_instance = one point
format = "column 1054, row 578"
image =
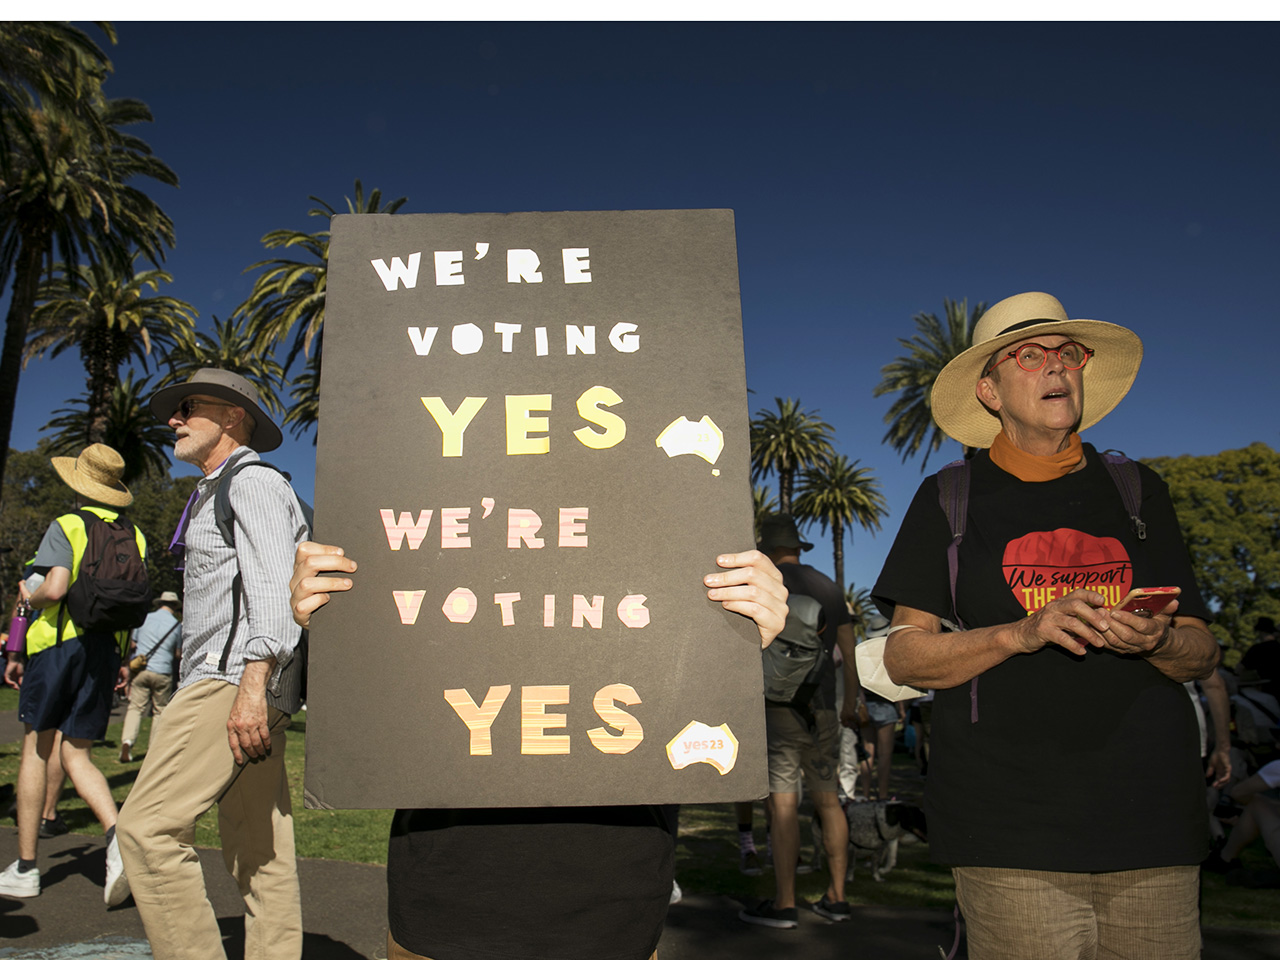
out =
column 168, row 599
column 1107, row 376
column 96, row 474
column 227, row 386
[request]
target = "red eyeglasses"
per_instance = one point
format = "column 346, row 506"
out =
column 1032, row 356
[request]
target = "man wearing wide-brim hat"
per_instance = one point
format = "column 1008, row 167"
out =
column 70, row 672
column 222, row 738
column 155, row 647
column 1048, row 697
column 803, row 736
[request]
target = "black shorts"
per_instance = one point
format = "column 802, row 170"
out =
column 68, row 687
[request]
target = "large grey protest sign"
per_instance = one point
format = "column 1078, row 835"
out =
column 533, row 440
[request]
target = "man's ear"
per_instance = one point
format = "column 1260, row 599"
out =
column 987, row 394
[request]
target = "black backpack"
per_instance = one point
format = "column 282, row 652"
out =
column 795, row 662
column 112, row 591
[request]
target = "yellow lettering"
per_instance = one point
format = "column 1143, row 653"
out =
column 520, row 423
column 615, row 428
column 453, row 425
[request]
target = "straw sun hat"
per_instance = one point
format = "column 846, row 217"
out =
column 1108, row 375
column 96, row 474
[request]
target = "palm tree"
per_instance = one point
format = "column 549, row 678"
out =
column 837, row 494
column 57, row 62
column 305, row 393
column 861, row 609
column 912, row 376
column 126, row 424
column 109, row 317
column 291, row 293
column 785, row 441
column 763, row 504
column 67, row 190
column 228, row 348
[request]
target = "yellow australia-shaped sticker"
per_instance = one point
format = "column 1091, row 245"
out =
column 702, row 438
column 700, row 743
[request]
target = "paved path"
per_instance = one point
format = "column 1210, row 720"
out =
column 344, row 913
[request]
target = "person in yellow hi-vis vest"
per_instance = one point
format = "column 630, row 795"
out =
column 70, row 671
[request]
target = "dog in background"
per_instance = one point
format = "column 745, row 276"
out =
column 875, row 829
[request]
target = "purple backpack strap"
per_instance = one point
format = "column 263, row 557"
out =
column 953, row 496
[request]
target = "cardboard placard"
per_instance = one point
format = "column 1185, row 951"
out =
column 533, row 440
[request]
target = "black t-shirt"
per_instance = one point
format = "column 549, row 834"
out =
column 544, row 883
column 1075, row 763
column 800, row 578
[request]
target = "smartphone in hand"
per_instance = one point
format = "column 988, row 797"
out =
column 1147, row 601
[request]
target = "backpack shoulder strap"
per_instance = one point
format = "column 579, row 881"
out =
column 953, row 496
column 224, row 518
column 223, row 513
column 1124, row 474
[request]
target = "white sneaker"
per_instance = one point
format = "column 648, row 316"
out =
column 116, row 890
column 14, row 883
column 676, row 893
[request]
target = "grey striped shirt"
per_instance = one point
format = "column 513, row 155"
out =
column 268, row 527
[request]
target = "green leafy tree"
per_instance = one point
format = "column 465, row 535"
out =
column 784, row 442
column 68, row 190
column 288, row 297
column 228, row 348
column 912, row 376
column 126, row 425
column 1228, row 506
column 158, row 502
column 110, row 319
column 837, row 494
column 34, row 495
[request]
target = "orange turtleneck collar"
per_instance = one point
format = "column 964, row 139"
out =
column 1032, row 468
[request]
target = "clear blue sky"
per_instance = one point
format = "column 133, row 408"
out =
column 1131, row 170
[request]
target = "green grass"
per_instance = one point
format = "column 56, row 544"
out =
column 356, row 835
column 706, row 854
column 8, row 698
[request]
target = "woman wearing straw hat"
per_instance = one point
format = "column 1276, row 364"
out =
column 70, row 673
column 1065, row 787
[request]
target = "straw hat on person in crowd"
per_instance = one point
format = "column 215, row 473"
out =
column 1108, row 374
column 95, row 474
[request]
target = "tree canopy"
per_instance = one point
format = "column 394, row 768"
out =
column 34, row 496
column 1228, row 507
column 785, row 441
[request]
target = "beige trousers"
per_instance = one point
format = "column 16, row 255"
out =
column 189, row 768
column 1151, row 914
column 146, row 687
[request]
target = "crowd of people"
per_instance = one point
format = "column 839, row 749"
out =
column 1005, row 596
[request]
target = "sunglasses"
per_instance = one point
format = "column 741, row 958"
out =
column 186, row 407
column 1033, row 356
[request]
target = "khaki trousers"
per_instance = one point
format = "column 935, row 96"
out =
column 146, row 687
column 188, row 768
column 1151, row 914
